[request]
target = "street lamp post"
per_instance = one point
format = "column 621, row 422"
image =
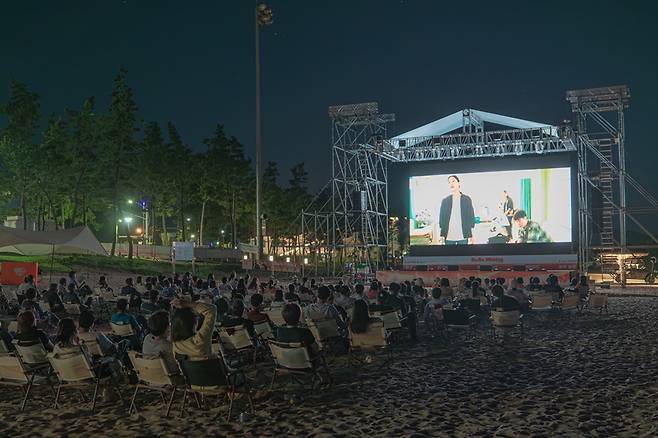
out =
column 128, row 220
column 263, row 17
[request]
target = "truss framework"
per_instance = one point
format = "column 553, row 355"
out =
column 349, row 219
column 600, row 138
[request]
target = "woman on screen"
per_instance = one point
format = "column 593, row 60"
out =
column 456, row 216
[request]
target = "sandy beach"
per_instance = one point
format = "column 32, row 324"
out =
column 589, row 375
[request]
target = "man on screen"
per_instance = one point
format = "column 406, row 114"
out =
column 456, row 216
column 508, row 211
column 529, row 231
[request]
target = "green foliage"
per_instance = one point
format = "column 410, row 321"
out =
column 87, row 162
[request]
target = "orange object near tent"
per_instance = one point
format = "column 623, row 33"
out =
column 13, row 273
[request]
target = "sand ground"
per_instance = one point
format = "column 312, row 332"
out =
column 588, row 375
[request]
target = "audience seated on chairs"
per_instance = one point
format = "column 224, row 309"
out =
column 361, row 317
column 446, row 289
column 71, row 295
column 86, row 334
column 122, row 316
column 520, row 295
column 343, row 299
column 553, row 288
column 54, row 300
column 236, row 317
column 435, row 303
column 502, row 301
column 28, row 334
column 291, row 332
column 157, row 342
column 291, row 296
column 150, row 304
column 67, row 341
column 323, row 309
column 29, row 303
column 359, row 293
column 255, row 314
column 278, row 299
column 393, row 299
column 187, row 341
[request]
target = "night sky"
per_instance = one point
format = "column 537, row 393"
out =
column 193, row 63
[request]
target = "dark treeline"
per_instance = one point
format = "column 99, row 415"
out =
column 82, row 165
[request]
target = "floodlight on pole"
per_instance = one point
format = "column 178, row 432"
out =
column 263, row 17
column 127, row 219
column 271, row 258
column 130, row 201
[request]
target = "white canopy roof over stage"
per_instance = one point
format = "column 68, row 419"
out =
column 465, row 119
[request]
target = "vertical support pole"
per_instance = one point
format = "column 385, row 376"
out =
column 622, row 188
column 259, row 230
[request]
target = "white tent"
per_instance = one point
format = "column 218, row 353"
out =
column 79, row 240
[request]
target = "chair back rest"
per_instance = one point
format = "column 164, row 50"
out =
column 45, row 306
column 72, row 309
column 10, row 294
column 32, row 354
column 597, row 300
column 122, row 330
column 275, row 316
column 12, row 327
column 323, row 328
column 391, row 319
column 4, row 348
column 570, row 301
column 151, row 370
column 507, row 318
column 264, row 330
column 107, row 296
column 235, row 338
column 92, row 346
column 11, row 369
column 206, row 372
column 71, row 368
column 541, row 301
column 293, row 356
column 374, row 336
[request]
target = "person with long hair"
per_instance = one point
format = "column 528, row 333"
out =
column 67, row 341
column 361, row 319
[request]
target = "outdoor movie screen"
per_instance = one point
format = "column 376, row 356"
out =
column 531, row 206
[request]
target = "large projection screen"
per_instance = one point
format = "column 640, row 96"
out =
column 526, row 209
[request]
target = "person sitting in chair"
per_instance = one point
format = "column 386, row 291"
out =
column 503, row 302
column 291, row 332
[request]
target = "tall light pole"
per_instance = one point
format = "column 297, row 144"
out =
column 263, row 17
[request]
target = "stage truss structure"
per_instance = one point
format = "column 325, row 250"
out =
column 347, row 223
column 604, row 185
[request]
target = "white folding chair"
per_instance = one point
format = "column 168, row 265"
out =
column 75, row 372
column 122, row 330
column 505, row 321
column 153, row 375
column 14, row 373
column 294, row 359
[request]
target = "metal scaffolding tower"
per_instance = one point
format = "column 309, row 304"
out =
column 600, row 137
column 359, row 210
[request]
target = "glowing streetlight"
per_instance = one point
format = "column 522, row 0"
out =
column 245, row 257
column 188, row 219
column 287, row 259
column 306, row 260
column 130, row 201
column 127, row 219
column 138, row 231
column 192, row 236
column 271, row 258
